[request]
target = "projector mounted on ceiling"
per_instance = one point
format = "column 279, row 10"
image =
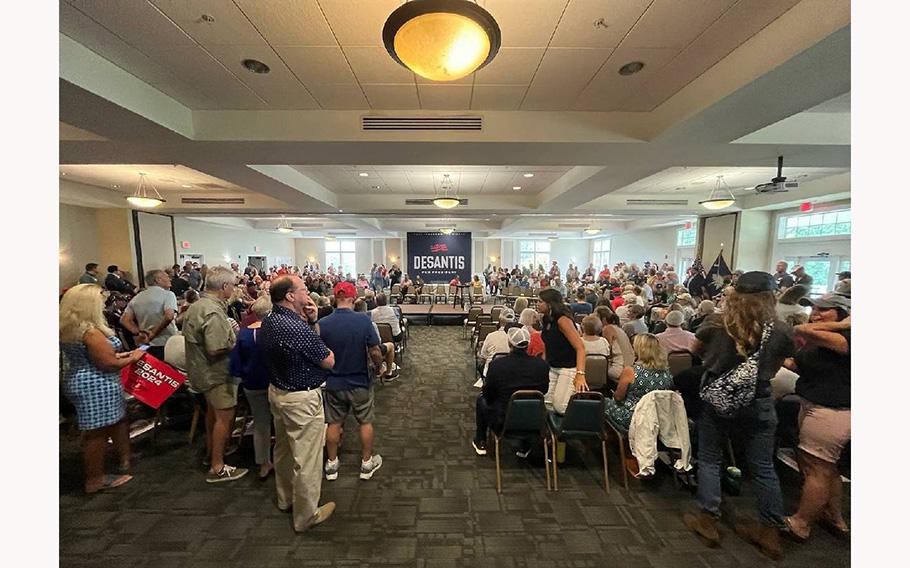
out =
column 778, row 184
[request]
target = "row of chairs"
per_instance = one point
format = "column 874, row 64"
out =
column 527, row 417
column 584, row 418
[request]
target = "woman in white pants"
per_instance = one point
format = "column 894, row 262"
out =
column 248, row 364
column 563, row 350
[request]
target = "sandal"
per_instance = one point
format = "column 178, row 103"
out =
column 791, row 532
column 110, row 482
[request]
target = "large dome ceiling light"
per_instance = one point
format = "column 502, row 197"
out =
column 721, row 197
column 446, row 201
column 441, row 40
column 142, row 198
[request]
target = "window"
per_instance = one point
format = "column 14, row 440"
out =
column 825, row 224
column 534, row 253
column 601, row 253
column 686, row 237
column 341, row 254
column 685, row 249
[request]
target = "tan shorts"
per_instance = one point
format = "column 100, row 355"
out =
column 222, row 397
column 823, row 431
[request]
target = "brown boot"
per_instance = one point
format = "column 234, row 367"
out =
column 705, row 526
column 766, row 538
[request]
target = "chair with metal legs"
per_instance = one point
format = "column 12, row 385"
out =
column 583, row 420
column 525, row 418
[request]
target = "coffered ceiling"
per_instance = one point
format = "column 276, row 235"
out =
column 728, row 85
column 328, row 54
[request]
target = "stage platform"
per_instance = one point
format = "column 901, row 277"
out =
column 438, row 314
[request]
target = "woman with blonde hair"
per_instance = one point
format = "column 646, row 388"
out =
column 748, row 328
column 91, row 381
column 530, row 320
column 521, row 304
column 649, row 373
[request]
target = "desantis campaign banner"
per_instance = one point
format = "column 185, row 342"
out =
column 437, row 258
column 151, row 380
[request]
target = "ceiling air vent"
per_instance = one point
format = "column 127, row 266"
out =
column 429, row 201
column 212, row 200
column 657, row 202
column 387, row 123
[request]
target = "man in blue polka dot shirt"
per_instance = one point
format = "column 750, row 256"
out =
column 297, row 360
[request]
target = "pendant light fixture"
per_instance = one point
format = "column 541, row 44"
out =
column 720, row 198
column 284, row 227
column 441, row 40
column 142, row 198
column 446, row 201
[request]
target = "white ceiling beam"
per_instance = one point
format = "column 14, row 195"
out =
column 83, row 67
column 294, row 178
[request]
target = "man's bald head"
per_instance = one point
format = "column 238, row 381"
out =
column 282, row 286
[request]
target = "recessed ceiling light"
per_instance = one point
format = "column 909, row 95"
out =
column 363, row 174
column 63, row 173
column 255, row 66
column 115, row 186
column 341, row 210
column 375, row 186
column 187, row 185
column 516, row 188
column 631, row 68
column 208, row 18
column 529, row 175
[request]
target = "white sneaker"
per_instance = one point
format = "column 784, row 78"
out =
column 368, row 468
column 331, row 469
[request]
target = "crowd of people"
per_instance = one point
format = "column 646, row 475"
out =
column 305, row 347
column 738, row 329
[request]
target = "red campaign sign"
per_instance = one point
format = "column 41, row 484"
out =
column 151, row 380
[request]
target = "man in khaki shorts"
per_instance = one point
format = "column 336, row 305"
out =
column 209, row 340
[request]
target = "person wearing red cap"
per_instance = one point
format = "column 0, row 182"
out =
column 349, row 385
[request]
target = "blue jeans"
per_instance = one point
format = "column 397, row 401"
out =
column 756, row 426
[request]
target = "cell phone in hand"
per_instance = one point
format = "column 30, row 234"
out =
column 144, row 347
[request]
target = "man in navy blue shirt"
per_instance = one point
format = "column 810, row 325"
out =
column 580, row 305
column 297, row 360
column 349, row 386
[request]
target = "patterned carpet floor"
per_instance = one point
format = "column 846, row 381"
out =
column 433, row 503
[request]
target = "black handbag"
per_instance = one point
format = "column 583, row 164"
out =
column 735, row 389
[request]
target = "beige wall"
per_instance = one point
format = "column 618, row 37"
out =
column 78, row 243
column 393, row 252
column 716, row 232
column 95, row 235
column 307, row 249
column 753, row 241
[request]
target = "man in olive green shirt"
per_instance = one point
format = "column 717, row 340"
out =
column 209, row 340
